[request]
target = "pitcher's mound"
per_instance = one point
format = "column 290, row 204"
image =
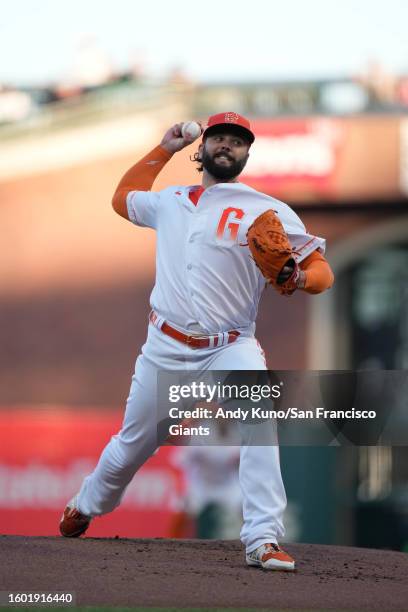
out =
column 203, row 574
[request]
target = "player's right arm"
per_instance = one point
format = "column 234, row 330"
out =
column 142, row 175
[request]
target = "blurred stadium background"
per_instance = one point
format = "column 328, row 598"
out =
column 76, row 279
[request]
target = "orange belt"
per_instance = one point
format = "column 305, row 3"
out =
column 195, row 342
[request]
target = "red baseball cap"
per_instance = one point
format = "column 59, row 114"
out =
column 231, row 121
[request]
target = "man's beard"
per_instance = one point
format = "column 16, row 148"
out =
column 221, row 172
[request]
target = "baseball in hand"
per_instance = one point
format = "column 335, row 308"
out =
column 190, row 130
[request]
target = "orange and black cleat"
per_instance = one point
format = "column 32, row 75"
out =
column 271, row 557
column 73, row 524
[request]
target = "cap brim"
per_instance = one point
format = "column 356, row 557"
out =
column 232, row 128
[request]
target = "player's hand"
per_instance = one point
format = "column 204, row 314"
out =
column 173, row 141
column 297, row 282
column 285, row 274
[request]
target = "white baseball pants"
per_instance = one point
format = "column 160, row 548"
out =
column 264, row 498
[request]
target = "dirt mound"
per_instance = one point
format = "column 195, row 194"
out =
column 192, row 573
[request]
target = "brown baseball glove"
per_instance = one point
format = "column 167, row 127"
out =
column 273, row 254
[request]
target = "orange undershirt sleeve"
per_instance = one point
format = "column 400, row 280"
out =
column 140, row 177
column 319, row 275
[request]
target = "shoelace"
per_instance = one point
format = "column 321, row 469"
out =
column 274, row 547
column 74, row 513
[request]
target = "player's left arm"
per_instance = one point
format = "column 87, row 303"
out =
column 142, row 175
column 139, row 177
column 316, row 274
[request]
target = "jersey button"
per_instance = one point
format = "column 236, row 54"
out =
column 189, row 267
column 191, row 239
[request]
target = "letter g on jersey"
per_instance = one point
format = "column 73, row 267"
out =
column 230, row 231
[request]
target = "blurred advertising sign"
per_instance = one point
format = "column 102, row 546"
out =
column 298, row 154
column 404, row 157
column 402, row 91
column 316, row 159
column 46, row 453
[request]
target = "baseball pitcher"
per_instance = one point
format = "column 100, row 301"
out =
column 218, row 245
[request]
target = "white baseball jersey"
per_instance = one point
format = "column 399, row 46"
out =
column 206, row 278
